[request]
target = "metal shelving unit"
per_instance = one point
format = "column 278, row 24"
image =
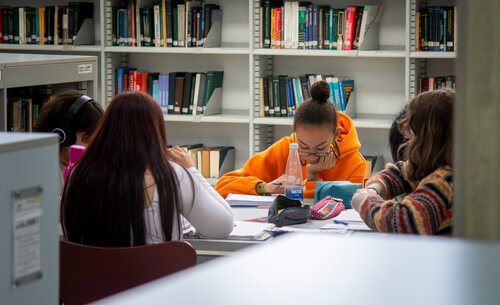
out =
column 28, row 70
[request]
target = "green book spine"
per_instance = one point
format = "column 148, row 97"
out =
column 326, row 29
column 5, row 25
column 114, row 29
column 302, row 27
column 333, row 28
column 148, row 26
column 267, row 24
column 214, row 80
column 276, row 95
column 175, row 27
column 193, row 85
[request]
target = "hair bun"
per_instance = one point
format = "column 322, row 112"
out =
column 320, row 91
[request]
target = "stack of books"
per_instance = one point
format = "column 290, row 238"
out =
column 436, row 82
column 212, row 162
column 280, row 95
column 303, row 25
column 176, row 92
column 58, row 24
column 170, row 23
column 436, row 29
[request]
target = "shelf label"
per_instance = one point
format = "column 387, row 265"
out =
column 26, row 221
column 84, row 68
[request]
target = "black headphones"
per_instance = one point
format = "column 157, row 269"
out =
column 67, row 136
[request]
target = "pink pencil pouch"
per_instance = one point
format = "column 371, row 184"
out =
column 327, row 207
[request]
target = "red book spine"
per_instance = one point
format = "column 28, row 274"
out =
column 144, row 82
column 277, row 28
column 350, row 23
column 131, row 80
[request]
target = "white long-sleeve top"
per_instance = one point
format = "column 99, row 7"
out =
column 210, row 214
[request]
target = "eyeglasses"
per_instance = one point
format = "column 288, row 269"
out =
column 333, row 148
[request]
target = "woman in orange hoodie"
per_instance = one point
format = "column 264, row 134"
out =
column 328, row 149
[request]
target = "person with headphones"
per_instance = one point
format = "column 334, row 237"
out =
column 71, row 115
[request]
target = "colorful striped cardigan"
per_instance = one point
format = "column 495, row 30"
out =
column 400, row 208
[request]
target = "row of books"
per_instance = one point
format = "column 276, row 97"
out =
column 21, row 114
column 436, row 29
column 212, row 162
column 176, row 92
column 44, row 25
column 302, row 25
column 280, row 95
column 171, row 23
column 436, row 82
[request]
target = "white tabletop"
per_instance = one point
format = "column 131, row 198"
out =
column 328, row 269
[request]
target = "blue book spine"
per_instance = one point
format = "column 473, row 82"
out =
column 291, row 99
column 342, row 96
column 161, row 80
column 297, row 91
column 37, row 24
column 330, row 29
column 336, row 93
column 166, row 89
column 315, row 27
column 202, row 24
column 331, row 92
column 307, row 28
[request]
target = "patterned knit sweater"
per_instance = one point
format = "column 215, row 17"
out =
column 400, row 207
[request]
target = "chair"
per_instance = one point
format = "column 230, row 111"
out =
column 90, row 273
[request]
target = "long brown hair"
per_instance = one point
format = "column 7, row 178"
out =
column 429, row 119
column 103, row 201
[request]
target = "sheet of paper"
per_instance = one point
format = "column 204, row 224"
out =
column 249, row 200
column 349, row 215
column 352, row 226
column 249, row 229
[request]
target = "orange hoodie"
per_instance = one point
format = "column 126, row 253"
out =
column 270, row 164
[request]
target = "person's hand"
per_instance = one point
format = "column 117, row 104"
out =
column 360, row 196
column 181, row 156
column 323, row 163
column 277, row 186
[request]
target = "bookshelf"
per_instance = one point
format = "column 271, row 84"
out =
column 385, row 78
column 32, row 70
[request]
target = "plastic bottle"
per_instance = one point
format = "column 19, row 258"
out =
column 293, row 175
column 75, row 153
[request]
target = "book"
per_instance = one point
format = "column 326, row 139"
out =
column 214, row 80
column 244, row 200
column 221, row 161
column 178, row 92
column 186, row 99
column 171, row 91
column 198, row 103
column 350, row 30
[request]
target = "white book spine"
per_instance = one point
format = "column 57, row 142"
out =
column 181, row 8
column 295, row 25
column 157, row 39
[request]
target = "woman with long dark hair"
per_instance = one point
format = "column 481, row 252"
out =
column 130, row 189
column 416, row 196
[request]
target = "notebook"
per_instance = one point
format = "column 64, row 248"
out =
column 242, row 200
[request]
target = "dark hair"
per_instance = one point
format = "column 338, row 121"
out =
column 317, row 110
column 103, row 201
column 53, row 110
column 396, row 138
column 429, row 117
